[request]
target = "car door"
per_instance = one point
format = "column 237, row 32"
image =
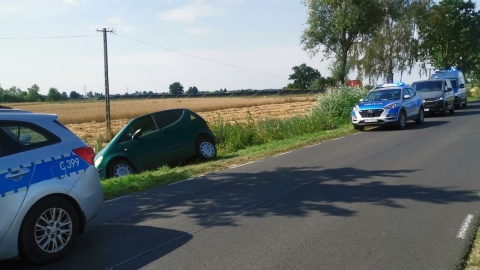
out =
column 175, row 131
column 16, row 171
column 148, row 149
column 412, row 103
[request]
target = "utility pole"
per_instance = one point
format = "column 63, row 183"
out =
column 107, row 90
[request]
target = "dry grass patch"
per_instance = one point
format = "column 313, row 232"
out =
column 87, row 119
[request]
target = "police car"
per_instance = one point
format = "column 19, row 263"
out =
column 389, row 104
column 49, row 187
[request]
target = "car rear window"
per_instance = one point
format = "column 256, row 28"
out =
column 428, row 86
column 21, row 136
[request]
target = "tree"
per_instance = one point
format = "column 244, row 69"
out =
column 450, row 35
column 33, row 94
column 302, row 76
column 334, row 26
column 53, row 95
column 74, row 95
column 192, row 90
column 393, row 47
column 176, row 88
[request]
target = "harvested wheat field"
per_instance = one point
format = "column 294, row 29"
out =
column 87, row 119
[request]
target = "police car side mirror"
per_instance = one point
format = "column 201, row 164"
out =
column 462, row 85
column 407, row 97
column 361, row 100
column 448, row 89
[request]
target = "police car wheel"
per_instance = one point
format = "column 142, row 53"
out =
column 358, row 127
column 402, row 120
column 49, row 231
column 465, row 104
column 120, row 168
column 421, row 117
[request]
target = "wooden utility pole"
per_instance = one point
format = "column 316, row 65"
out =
column 107, row 90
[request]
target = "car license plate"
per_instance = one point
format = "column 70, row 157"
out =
column 371, row 120
column 426, row 109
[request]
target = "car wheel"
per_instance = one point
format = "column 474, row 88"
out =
column 358, row 127
column 120, row 168
column 402, row 120
column 444, row 111
column 452, row 110
column 205, row 148
column 465, row 104
column 421, row 117
column 458, row 103
column 49, row 231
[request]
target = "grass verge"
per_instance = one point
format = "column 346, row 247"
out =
column 116, row 187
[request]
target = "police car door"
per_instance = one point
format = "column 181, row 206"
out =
column 410, row 103
column 16, row 170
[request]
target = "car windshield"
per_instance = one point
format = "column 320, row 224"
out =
column 427, row 86
column 454, row 83
column 383, row 94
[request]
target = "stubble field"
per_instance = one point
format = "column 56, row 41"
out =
column 87, row 119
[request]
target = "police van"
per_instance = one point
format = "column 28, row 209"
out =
column 458, row 84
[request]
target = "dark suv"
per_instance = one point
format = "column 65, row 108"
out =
column 438, row 95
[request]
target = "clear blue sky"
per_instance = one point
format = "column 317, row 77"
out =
column 210, row 44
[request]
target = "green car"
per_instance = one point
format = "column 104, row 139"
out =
column 152, row 140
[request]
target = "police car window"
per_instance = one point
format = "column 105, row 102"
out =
column 24, row 135
column 411, row 91
column 20, row 136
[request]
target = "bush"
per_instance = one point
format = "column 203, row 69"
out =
column 336, row 105
column 333, row 109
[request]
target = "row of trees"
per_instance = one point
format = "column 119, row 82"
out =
column 15, row 94
column 381, row 37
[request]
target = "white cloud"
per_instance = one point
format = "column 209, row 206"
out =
column 189, row 13
column 74, row 2
column 199, row 31
column 119, row 25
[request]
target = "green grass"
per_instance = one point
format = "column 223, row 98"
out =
column 116, row 187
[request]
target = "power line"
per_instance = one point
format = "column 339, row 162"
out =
column 150, row 44
column 198, row 57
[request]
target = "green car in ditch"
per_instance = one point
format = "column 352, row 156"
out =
column 161, row 138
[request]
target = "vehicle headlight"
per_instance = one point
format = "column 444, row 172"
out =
column 391, row 106
column 356, row 108
column 438, row 98
column 98, row 161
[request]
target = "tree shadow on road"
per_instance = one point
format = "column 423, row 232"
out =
column 217, row 198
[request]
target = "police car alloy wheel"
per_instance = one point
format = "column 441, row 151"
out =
column 421, row 117
column 402, row 120
column 49, row 230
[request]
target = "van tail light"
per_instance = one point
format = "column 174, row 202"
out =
column 86, row 153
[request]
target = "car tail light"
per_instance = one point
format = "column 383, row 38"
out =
column 86, row 153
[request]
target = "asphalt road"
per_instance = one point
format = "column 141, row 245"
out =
column 379, row 199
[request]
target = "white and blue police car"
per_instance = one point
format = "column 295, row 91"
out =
column 389, row 104
column 49, row 187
